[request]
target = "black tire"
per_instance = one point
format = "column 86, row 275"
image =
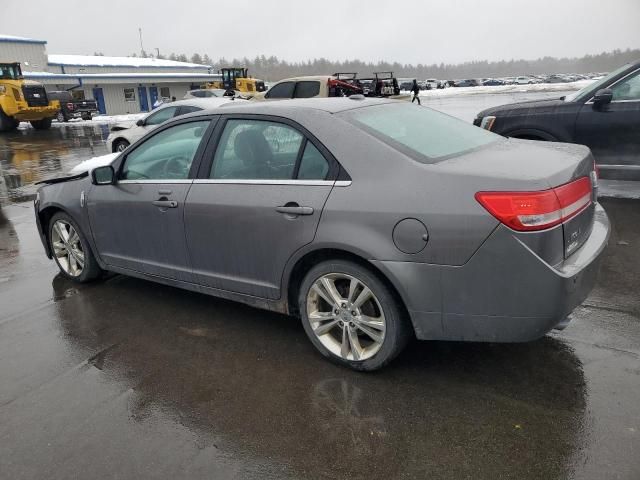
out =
column 91, row 269
column 398, row 328
column 120, row 145
column 7, row 123
column 86, row 117
column 44, row 124
column 61, row 117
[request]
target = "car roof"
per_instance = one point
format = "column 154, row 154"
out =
column 318, row 78
column 205, row 103
column 329, row 105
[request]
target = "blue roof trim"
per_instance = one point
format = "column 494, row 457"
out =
column 124, row 66
column 22, row 40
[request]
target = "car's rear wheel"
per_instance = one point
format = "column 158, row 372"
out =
column 351, row 316
column 120, row 145
column 71, row 250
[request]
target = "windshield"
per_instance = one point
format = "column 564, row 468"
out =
column 421, row 133
column 594, row 87
column 10, row 71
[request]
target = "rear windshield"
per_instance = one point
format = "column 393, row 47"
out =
column 424, row 134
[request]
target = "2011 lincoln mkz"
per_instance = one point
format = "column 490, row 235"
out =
column 373, row 220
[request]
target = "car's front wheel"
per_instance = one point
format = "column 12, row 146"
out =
column 120, row 145
column 351, row 316
column 71, row 250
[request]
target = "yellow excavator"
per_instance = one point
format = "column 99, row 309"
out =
column 23, row 100
column 238, row 80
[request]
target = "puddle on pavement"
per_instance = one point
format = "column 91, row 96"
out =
column 28, row 155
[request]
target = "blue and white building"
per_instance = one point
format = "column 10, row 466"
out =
column 120, row 85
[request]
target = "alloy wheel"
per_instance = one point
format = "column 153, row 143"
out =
column 346, row 316
column 67, row 248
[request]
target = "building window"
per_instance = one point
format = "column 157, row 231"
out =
column 78, row 94
column 164, row 92
column 129, row 95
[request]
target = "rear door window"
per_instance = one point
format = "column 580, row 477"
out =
column 307, row 89
column 256, row 150
column 313, row 165
column 281, row 90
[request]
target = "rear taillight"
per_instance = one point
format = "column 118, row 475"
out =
column 526, row 211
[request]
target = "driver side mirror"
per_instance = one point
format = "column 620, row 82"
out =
column 103, row 175
column 602, row 97
column 140, row 123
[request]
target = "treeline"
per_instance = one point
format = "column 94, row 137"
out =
column 272, row 68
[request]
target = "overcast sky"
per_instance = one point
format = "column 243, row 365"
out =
column 449, row 31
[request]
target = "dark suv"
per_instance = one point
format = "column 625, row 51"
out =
column 73, row 108
column 605, row 116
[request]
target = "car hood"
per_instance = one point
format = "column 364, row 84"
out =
column 92, row 163
column 520, row 107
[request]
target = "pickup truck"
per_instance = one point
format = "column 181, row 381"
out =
column 72, row 108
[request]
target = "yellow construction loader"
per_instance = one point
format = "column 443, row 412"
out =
column 23, row 100
column 238, row 80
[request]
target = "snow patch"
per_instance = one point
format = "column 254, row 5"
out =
column 102, row 61
column 483, row 90
column 94, row 162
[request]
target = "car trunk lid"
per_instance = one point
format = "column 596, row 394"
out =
column 549, row 186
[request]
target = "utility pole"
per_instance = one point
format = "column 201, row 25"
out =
column 157, row 52
column 144, row 54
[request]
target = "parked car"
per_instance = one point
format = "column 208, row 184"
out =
column 71, row 107
column 432, row 83
column 406, row 85
column 492, row 82
column 604, row 115
column 124, row 134
column 206, row 93
column 523, row 81
column 322, row 86
column 279, row 205
column 471, row 82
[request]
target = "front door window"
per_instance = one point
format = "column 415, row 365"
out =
column 167, row 155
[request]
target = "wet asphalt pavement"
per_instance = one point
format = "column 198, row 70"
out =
column 123, row 378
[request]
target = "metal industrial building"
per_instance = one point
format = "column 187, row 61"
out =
column 120, row 85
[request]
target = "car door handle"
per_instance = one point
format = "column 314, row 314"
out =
column 165, row 203
column 294, row 210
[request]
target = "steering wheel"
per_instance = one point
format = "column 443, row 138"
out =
column 176, row 168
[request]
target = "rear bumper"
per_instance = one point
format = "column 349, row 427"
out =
column 504, row 293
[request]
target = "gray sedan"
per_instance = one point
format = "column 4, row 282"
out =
column 375, row 221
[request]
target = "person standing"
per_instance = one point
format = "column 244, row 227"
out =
column 416, row 92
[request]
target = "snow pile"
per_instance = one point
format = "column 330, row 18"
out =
column 483, row 90
column 102, row 61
